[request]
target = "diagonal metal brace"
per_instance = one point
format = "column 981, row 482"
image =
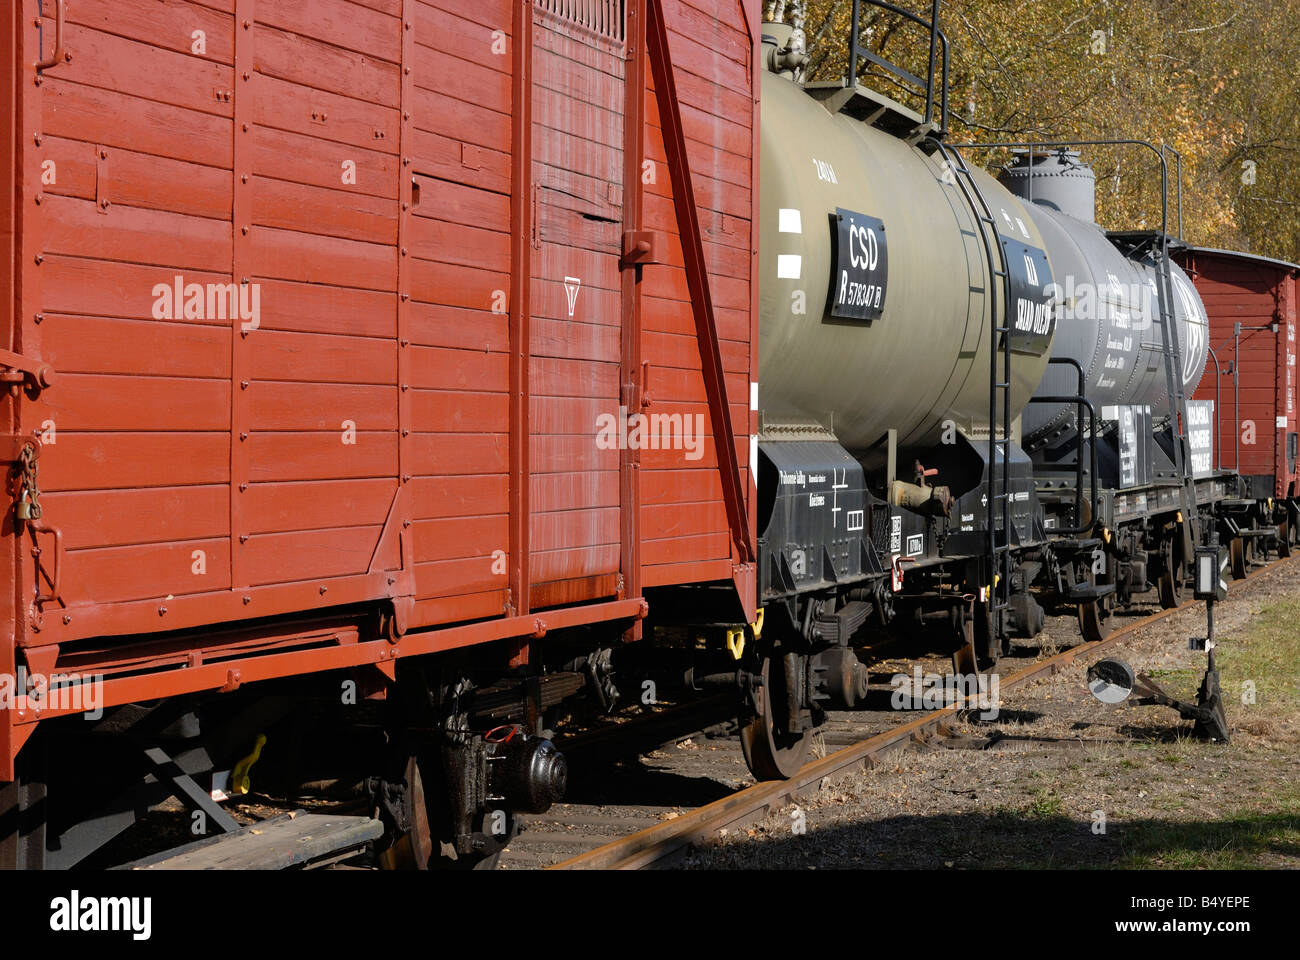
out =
column 697, row 277
column 189, row 792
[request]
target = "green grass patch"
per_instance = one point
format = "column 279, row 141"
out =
column 1242, row 841
column 1045, row 805
column 1266, row 653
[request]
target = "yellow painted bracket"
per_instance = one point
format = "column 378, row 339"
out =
column 239, row 777
column 736, row 636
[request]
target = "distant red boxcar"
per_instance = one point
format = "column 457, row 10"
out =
column 333, row 299
column 1251, row 303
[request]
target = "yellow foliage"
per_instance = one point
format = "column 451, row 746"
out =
column 1213, row 79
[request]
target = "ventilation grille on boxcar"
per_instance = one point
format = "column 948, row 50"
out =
column 603, row 17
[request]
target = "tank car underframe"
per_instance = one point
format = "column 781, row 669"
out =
column 1139, row 548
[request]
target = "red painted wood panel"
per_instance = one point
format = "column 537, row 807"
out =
column 294, row 176
column 140, row 20
column 1256, row 418
column 131, row 179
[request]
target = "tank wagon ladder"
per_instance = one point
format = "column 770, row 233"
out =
column 929, row 137
column 998, row 486
column 1173, row 353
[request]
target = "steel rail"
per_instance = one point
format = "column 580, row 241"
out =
column 646, row 847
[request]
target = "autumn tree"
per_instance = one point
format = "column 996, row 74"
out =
column 1215, row 80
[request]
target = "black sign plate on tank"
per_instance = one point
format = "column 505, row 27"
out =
column 861, row 266
column 1033, row 300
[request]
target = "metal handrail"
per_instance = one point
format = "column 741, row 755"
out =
column 1164, row 291
column 1083, row 403
column 938, row 51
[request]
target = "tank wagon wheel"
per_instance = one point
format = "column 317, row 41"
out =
column 978, row 646
column 418, row 848
column 1090, row 622
column 990, row 644
column 770, row 752
column 1237, row 555
column 964, row 661
column 1091, row 615
column 1169, row 587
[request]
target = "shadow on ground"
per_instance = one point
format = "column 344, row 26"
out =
column 1021, row 839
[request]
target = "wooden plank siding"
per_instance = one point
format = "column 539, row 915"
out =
column 346, row 165
column 1257, row 294
column 683, row 521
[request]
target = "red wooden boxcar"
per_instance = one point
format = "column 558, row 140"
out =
column 336, row 309
column 1251, row 304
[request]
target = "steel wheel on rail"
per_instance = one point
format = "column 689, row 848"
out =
column 1170, row 585
column 1284, row 539
column 417, row 847
column 772, row 752
column 1237, row 554
column 1091, row 614
column 979, row 647
column 1170, row 589
column 1090, row 622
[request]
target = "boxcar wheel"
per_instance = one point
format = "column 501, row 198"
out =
column 771, row 752
column 417, row 848
column 1284, row 539
column 414, row 848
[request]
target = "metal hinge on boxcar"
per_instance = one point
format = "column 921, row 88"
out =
column 36, row 375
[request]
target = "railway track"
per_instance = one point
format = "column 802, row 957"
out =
column 699, row 781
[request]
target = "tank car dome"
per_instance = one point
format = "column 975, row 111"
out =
column 1059, row 180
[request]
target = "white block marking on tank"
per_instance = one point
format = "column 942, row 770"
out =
column 789, row 266
column 790, row 221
